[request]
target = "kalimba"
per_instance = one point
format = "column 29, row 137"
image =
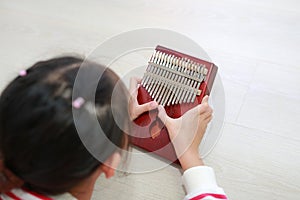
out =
column 178, row 82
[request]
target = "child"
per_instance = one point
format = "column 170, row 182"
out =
column 42, row 155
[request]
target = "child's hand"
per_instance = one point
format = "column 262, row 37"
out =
column 134, row 108
column 187, row 132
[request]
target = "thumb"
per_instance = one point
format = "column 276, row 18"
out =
column 163, row 115
column 146, row 107
column 205, row 99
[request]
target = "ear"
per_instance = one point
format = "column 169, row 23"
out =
column 110, row 165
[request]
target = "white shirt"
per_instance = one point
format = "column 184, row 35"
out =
column 199, row 182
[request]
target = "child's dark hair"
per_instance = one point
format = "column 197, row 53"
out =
column 38, row 137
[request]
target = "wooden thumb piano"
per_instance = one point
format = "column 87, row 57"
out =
column 176, row 81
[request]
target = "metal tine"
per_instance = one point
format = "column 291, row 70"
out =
column 194, row 83
column 151, row 70
column 205, row 71
column 155, row 71
column 199, row 70
column 189, row 91
column 169, row 83
column 183, row 83
column 200, row 75
column 168, row 97
column 187, row 88
column 171, row 94
column 164, row 95
column 159, row 79
column 168, row 76
column 176, row 80
column 164, row 79
column 145, row 78
column 174, row 77
column 179, row 90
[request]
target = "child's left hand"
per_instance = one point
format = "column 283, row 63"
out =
column 135, row 109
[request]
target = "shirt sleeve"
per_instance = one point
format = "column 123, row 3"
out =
column 200, row 184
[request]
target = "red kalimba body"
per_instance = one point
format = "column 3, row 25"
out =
column 178, row 82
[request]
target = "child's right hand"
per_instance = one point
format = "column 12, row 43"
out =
column 135, row 109
column 187, row 132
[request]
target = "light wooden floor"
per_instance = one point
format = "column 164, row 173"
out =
column 255, row 43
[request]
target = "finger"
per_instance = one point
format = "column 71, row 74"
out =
column 209, row 119
column 134, row 81
column 146, row 107
column 202, row 108
column 138, row 79
column 163, row 115
column 205, row 99
column 193, row 112
column 206, row 109
column 205, row 115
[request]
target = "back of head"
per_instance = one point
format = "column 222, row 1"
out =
column 39, row 141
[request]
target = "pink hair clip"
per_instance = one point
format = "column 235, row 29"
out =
column 78, row 102
column 23, row 73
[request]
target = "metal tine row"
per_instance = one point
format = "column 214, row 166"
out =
column 175, row 88
column 157, row 86
column 150, row 68
column 181, row 93
column 160, row 83
column 154, row 81
column 179, row 90
column 186, row 91
column 171, row 87
column 150, row 80
column 160, row 95
column 196, row 72
column 202, row 70
column 186, row 81
column 145, row 78
column 193, row 83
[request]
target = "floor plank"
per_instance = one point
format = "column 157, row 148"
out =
column 254, row 43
